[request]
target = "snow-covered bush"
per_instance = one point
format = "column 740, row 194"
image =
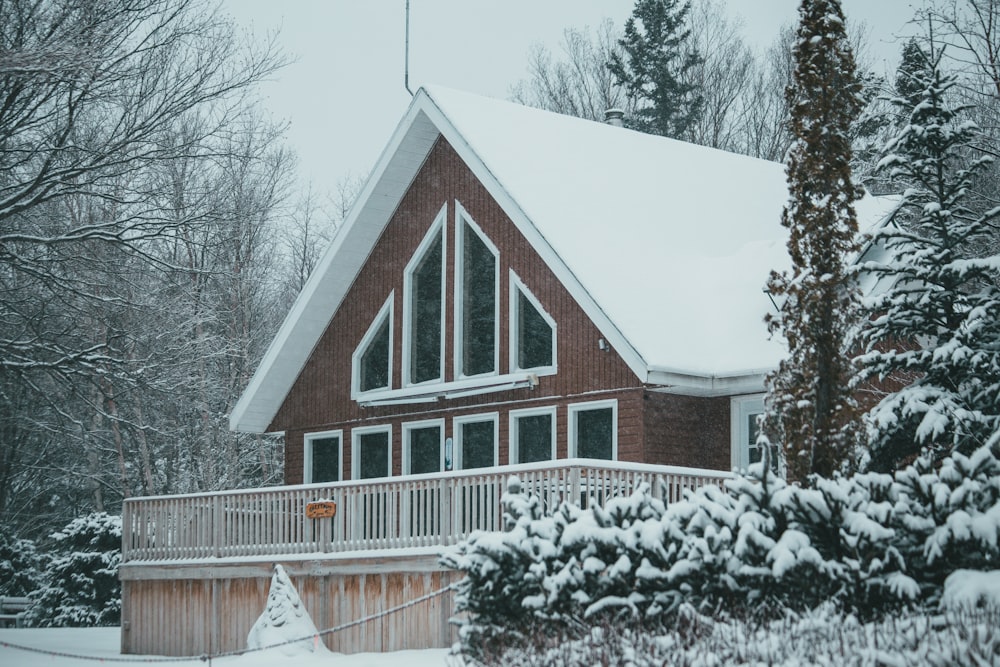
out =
column 866, row 544
column 19, row 565
column 80, row 586
column 819, row 637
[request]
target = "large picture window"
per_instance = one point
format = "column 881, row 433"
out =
column 322, row 456
column 533, row 331
column 593, row 430
column 372, row 360
column 370, row 452
column 423, row 444
column 424, row 286
column 476, row 441
column 477, row 277
column 532, row 435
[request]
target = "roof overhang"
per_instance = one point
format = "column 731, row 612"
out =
column 705, row 384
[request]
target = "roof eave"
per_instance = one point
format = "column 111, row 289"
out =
column 324, row 291
column 687, row 383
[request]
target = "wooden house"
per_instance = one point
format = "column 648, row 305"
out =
column 514, row 291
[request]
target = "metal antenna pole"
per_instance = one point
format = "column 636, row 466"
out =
column 406, row 64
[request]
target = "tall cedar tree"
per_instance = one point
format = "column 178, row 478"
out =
column 657, row 57
column 938, row 321
column 810, row 409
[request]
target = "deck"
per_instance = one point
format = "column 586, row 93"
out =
column 195, row 568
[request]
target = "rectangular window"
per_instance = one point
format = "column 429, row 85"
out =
column 371, row 452
column 532, row 435
column 477, row 285
column 476, row 441
column 424, row 447
column 593, row 430
column 323, row 453
column 744, row 411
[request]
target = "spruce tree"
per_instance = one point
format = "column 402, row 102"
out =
column 809, row 406
column 937, row 323
column 657, row 58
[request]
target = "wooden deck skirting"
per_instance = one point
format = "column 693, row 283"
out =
column 196, row 568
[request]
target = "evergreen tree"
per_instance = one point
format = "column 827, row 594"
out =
column 938, row 321
column 656, row 59
column 80, row 586
column 810, row 409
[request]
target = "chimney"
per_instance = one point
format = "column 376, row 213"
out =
column 614, row 117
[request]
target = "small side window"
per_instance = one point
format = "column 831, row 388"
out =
column 532, row 331
column 371, row 363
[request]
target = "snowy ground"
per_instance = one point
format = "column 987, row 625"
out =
column 102, row 645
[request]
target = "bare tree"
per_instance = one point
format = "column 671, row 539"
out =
column 577, row 82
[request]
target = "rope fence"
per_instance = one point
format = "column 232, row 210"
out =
column 208, row 658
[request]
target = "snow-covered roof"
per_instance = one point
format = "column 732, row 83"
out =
column 666, row 245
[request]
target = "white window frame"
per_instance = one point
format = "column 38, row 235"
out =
column 740, row 408
column 437, row 230
column 456, row 425
column 356, row 434
column 386, row 311
column 517, row 285
column 408, row 428
column 462, row 221
column 514, row 445
column 574, row 408
column 307, row 453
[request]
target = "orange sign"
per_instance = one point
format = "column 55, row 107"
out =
column 321, row 509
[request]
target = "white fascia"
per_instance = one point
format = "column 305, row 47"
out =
column 687, row 383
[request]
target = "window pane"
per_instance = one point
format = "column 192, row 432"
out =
column 595, row 433
column 478, row 305
column 534, row 335
column 426, row 308
column 477, row 445
column 425, row 450
column 375, row 361
column 373, row 452
column 534, row 438
column 325, row 460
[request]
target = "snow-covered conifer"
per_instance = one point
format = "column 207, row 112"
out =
column 810, row 408
column 937, row 322
column 80, row 586
column 285, row 619
column 656, row 59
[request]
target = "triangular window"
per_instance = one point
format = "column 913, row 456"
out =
column 372, row 360
column 532, row 330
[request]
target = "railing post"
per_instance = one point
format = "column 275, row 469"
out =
column 574, row 488
column 126, row 531
column 217, row 526
column 447, row 490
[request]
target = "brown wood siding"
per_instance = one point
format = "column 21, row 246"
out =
column 320, row 398
column 197, row 610
column 688, row 431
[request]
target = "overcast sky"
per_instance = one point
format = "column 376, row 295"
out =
column 344, row 94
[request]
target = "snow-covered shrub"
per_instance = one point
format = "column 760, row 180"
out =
column 80, row 586
column 822, row 636
column 19, row 565
column 867, row 544
column 285, row 622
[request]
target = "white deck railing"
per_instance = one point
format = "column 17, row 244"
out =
column 390, row 513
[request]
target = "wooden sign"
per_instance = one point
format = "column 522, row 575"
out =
column 321, row 509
